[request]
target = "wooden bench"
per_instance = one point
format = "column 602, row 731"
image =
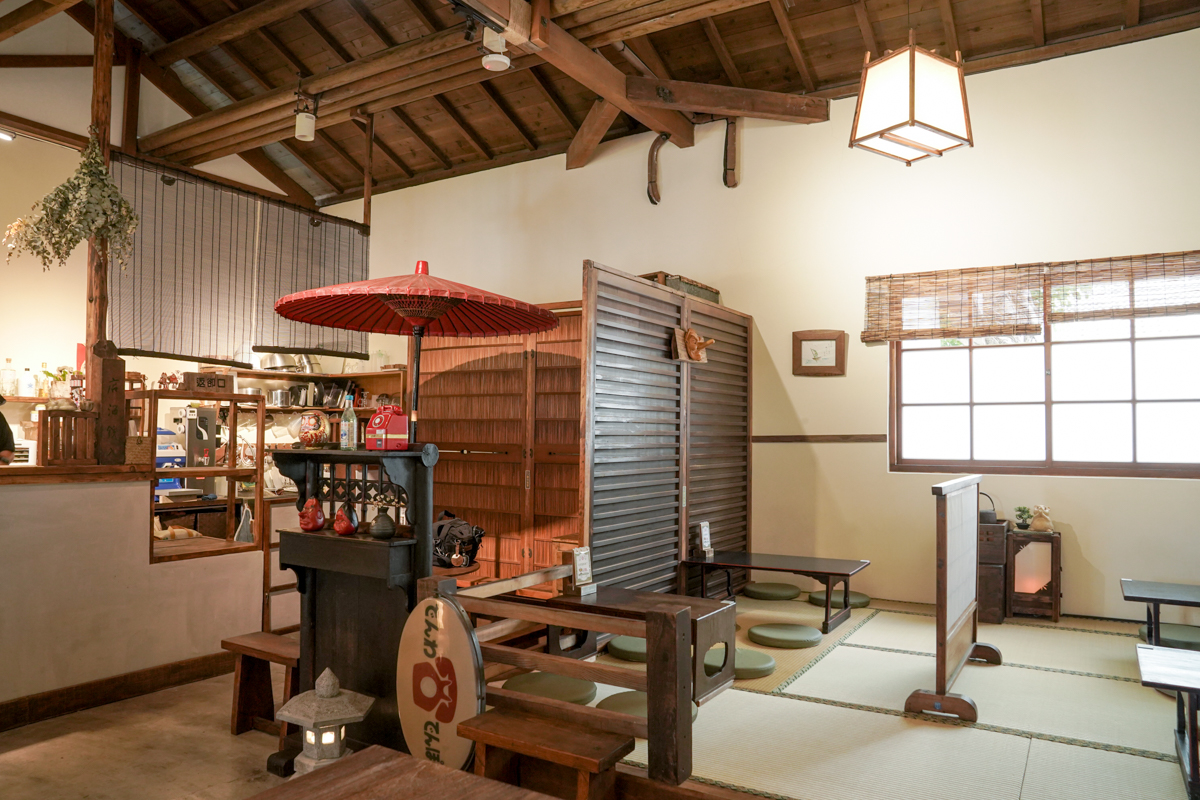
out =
column 564, row 760
column 253, row 694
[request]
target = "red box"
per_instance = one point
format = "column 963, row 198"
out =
column 387, row 429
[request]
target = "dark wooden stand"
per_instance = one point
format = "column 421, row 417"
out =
column 993, row 572
column 1047, row 601
column 1156, row 595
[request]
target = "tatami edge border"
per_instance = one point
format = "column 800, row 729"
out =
column 1005, row 664
column 1029, row 624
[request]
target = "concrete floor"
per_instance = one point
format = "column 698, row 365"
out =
column 170, row 745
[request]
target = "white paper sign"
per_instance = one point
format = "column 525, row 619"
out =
column 583, row 565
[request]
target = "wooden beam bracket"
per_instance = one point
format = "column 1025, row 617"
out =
column 726, row 101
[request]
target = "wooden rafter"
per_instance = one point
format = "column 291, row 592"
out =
column 595, row 125
column 1133, row 13
column 332, row 43
column 718, row 46
column 32, row 129
column 133, row 96
column 10, row 61
column 551, row 96
column 306, row 162
column 429, row 145
column 232, row 27
column 949, row 27
column 460, row 125
column 387, row 152
column 864, row 27
column 1038, row 18
column 793, row 44
column 650, row 56
column 327, row 139
column 30, row 14
column 371, row 21
column 727, row 101
column 497, row 102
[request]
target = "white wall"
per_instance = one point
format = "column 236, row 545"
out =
column 1087, row 156
column 80, row 601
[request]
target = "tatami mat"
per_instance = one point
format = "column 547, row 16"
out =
column 782, row 747
column 1062, row 772
column 1108, row 712
column 1095, row 653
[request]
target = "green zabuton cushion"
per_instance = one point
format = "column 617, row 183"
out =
column 771, row 591
column 628, row 648
column 556, row 687
column 857, row 599
column 747, row 664
column 1184, row 637
column 784, row 635
column 631, row 703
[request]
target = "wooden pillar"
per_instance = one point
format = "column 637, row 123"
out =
column 368, row 164
column 133, row 92
column 105, row 372
column 669, row 693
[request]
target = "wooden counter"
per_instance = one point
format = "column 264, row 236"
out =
column 25, row 474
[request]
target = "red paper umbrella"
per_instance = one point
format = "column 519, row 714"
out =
column 417, row 305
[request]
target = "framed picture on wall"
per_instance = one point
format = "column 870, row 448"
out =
column 819, row 352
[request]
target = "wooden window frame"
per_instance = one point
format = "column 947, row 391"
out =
column 1048, row 466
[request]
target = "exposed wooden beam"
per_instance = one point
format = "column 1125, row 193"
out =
column 793, row 44
column 497, row 102
column 42, row 132
column 30, row 14
column 718, row 46
column 473, row 138
column 284, row 51
column 332, row 43
column 539, row 21
column 9, row 61
column 327, row 139
column 599, row 119
column 864, row 25
column 363, row 13
column 294, row 192
column 1038, row 18
column 727, row 101
column 1133, row 13
column 133, row 97
column 387, row 152
column 368, row 167
column 419, row 135
column 429, row 21
column 308, row 164
column 648, row 53
column 232, row 27
column 949, row 27
column 96, row 340
column 551, row 96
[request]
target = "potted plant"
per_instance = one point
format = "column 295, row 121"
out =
column 60, row 386
column 1023, row 515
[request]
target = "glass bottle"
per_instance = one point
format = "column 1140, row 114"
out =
column 27, row 384
column 8, row 379
column 349, row 427
column 43, row 382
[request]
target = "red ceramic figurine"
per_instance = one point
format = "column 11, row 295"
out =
column 345, row 522
column 312, row 518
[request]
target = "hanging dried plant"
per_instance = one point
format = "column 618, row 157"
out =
column 86, row 205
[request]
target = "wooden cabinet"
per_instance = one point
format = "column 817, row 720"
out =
column 1045, row 600
column 991, row 592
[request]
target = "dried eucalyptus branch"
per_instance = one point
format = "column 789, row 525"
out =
column 86, row 205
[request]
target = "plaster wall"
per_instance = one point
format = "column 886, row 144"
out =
column 1088, row 156
column 80, row 601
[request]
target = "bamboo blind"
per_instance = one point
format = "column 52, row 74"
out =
column 1007, row 301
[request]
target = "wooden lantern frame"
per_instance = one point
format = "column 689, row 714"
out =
column 889, row 133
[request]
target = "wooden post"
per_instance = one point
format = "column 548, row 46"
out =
column 106, row 372
column 368, row 163
column 133, row 93
column 669, row 693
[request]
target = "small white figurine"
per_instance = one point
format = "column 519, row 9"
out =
column 1041, row 519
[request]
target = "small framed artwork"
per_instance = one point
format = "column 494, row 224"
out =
column 819, row 353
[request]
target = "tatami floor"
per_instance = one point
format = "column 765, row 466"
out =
column 1063, row 719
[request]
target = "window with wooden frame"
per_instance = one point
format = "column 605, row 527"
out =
column 1072, row 368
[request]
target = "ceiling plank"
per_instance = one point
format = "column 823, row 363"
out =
column 388, row 152
column 949, row 27
column 1039, row 22
column 501, row 108
column 727, row 101
column 285, row 52
column 591, row 133
column 1133, row 13
column 232, row 27
column 9, row 61
column 327, row 139
column 864, row 25
column 718, row 46
column 307, row 163
column 419, row 135
column 473, row 138
column 333, row 44
column 30, row 14
column 644, row 49
column 793, row 45
column 552, row 98
column 371, row 21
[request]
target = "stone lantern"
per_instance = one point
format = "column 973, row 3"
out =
column 322, row 715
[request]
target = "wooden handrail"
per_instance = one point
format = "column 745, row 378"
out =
column 956, row 485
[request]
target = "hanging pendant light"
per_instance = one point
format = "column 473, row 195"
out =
column 912, row 104
column 306, row 113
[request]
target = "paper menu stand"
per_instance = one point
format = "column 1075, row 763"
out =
column 702, row 539
column 581, row 575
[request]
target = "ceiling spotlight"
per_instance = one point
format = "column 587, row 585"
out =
column 494, row 59
column 6, row 136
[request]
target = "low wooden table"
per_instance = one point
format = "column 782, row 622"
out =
column 377, row 772
column 1179, row 670
column 830, row 571
column 1155, row 595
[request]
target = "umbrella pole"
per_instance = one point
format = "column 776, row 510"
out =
column 418, row 332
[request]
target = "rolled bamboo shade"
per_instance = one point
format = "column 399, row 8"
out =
column 956, row 303
column 1126, row 287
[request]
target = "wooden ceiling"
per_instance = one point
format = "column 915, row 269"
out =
column 440, row 114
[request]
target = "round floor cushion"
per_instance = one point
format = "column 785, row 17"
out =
column 1184, row 637
column 771, row 591
column 785, row 635
column 628, row 648
column 747, row 664
column 556, row 687
column 631, row 703
column 857, row 599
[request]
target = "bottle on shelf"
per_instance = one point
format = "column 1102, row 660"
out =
column 43, row 382
column 8, row 379
column 349, row 426
column 27, row 384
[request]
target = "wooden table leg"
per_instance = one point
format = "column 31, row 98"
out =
column 1154, row 628
column 833, row 620
column 1192, row 738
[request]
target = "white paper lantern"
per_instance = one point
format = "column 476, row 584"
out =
column 912, row 104
column 306, row 126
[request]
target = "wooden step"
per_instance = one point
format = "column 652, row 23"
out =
column 572, row 746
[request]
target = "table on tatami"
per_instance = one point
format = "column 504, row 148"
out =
column 830, row 571
column 1155, row 595
column 1179, row 670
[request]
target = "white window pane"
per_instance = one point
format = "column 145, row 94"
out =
column 1010, row 433
column 1010, row 375
column 928, row 344
column 1174, row 325
column 1090, row 330
column 1021, row 338
column 1168, row 369
column 1091, row 371
column 942, row 432
column 1169, row 433
column 936, row 376
column 1093, row 432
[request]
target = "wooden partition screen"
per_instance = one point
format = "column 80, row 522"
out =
column 957, row 587
column 665, row 441
column 504, row 412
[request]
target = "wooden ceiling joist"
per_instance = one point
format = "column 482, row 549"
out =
column 948, row 26
column 727, row 101
column 327, row 139
column 1133, row 13
column 11, row 61
column 591, row 133
column 328, row 38
column 722, row 52
column 310, row 165
column 1038, row 18
column 648, row 53
column 30, row 14
column 232, row 27
column 500, row 107
column 372, row 22
column 552, row 99
column 793, row 44
column 466, row 131
column 864, row 27
column 427, row 143
column 387, row 152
